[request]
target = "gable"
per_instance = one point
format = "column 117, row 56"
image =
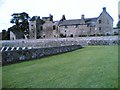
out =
column 105, row 14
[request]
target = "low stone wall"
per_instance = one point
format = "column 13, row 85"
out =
column 34, row 53
column 45, row 47
column 56, row 42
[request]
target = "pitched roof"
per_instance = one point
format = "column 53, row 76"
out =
column 34, row 18
column 88, row 20
column 76, row 21
column 70, row 22
column 45, row 17
column 106, row 13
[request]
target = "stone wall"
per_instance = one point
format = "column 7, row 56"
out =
column 43, row 43
column 23, row 55
column 43, row 47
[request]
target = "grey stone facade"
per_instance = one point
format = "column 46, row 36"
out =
column 101, row 25
column 42, row 28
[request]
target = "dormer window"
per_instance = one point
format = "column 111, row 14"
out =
column 99, row 21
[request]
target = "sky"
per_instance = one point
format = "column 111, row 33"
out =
column 73, row 9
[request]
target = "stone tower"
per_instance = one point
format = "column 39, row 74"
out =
column 35, row 27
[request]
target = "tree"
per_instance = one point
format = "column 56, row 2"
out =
column 21, row 26
column 118, row 24
column 21, row 20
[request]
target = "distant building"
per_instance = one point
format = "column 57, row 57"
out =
column 47, row 28
column 42, row 28
column 12, row 36
column 101, row 25
column 35, row 27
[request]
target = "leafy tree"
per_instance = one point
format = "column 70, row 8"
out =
column 21, row 20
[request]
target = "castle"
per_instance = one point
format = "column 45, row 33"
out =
column 45, row 27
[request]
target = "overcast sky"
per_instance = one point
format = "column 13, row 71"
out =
column 71, row 8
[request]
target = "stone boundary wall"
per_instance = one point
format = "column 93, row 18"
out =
column 56, row 42
column 34, row 53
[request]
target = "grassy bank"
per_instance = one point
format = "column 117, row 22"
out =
column 89, row 67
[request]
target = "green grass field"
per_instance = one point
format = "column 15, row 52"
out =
column 89, row 67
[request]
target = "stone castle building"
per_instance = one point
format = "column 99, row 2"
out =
column 47, row 28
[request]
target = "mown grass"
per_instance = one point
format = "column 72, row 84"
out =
column 89, row 67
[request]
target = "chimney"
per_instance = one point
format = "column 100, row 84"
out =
column 82, row 16
column 104, row 8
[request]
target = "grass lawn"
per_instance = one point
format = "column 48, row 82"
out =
column 89, row 67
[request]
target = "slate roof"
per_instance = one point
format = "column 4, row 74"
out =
column 91, row 21
column 70, row 22
column 76, row 21
column 45, row 17
column 88, row 20
column 34, row 18
column 37, row 18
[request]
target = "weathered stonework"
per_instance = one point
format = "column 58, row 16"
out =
column 44, row 47
column 24, row 55
column 101, row 25
column 56, row 42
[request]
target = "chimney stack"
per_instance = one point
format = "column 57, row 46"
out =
column 82, row 16
column 104, row 8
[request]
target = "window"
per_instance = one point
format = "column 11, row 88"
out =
column 53, row 27
column 32, row 25
column 99, row 21
column 99, row 28
column 41, row 28
column 107, row 22
column 76, row 26
column 65, row 26
column 65, row 30
column 71, row 35
column 43, row 36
